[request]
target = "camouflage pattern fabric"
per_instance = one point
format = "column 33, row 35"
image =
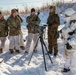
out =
column 3, row 28
column 33, row 23
column 14, row 25
column 53, row 23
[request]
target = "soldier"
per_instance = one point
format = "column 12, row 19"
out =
column 3, row 32
column 53, row 23
column 21, row 35
column 33, row 22
column 66, row 33
column 14, row 24
column 71, row 46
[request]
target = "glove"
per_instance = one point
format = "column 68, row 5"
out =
column 60, row 31
column 71, row 33
column 56, row 34
column 65, row 22
column 68, row 46
column 68, row 38
column 28, row 27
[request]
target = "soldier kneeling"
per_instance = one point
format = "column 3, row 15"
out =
column 3, row 32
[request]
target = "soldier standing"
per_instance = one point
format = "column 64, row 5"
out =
column 33, row 22
column 66, row 33
column 3, row 32
column 14, row 24
column 70, row 47
column 21, row 35
column 53, row 23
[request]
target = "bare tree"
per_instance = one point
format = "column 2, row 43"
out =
column 26, row 9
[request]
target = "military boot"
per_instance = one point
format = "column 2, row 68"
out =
column 1, row 50
column 11, row 51
column 18, row 51
column 22, row 47
column 35, row 51
column 55, row 55
column 65, row 70
column 26, row 52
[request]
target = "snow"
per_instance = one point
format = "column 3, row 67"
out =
column 17, row 64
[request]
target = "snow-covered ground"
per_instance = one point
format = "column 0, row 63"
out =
column 17, row 64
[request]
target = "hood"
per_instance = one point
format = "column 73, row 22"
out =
column 73, row 16
column 67, row 19
column 69, row 12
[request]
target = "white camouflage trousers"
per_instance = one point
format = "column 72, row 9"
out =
column 14, row 42
column 31, row 37
column 2, row 39
column 21, row 42
column 73, row 62
column 67, row 64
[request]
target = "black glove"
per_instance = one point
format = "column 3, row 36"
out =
column 68, row 46
column 71, row 33
column 56, row 34
column 68, row 38
column 60, row 31
column 65, row 22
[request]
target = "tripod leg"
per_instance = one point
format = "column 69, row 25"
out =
column 43, row 55
column 47, row 51
column 44, row 34
column 33, row 52
column 30, row 58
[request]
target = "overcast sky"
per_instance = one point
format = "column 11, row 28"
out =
column 9, row 4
